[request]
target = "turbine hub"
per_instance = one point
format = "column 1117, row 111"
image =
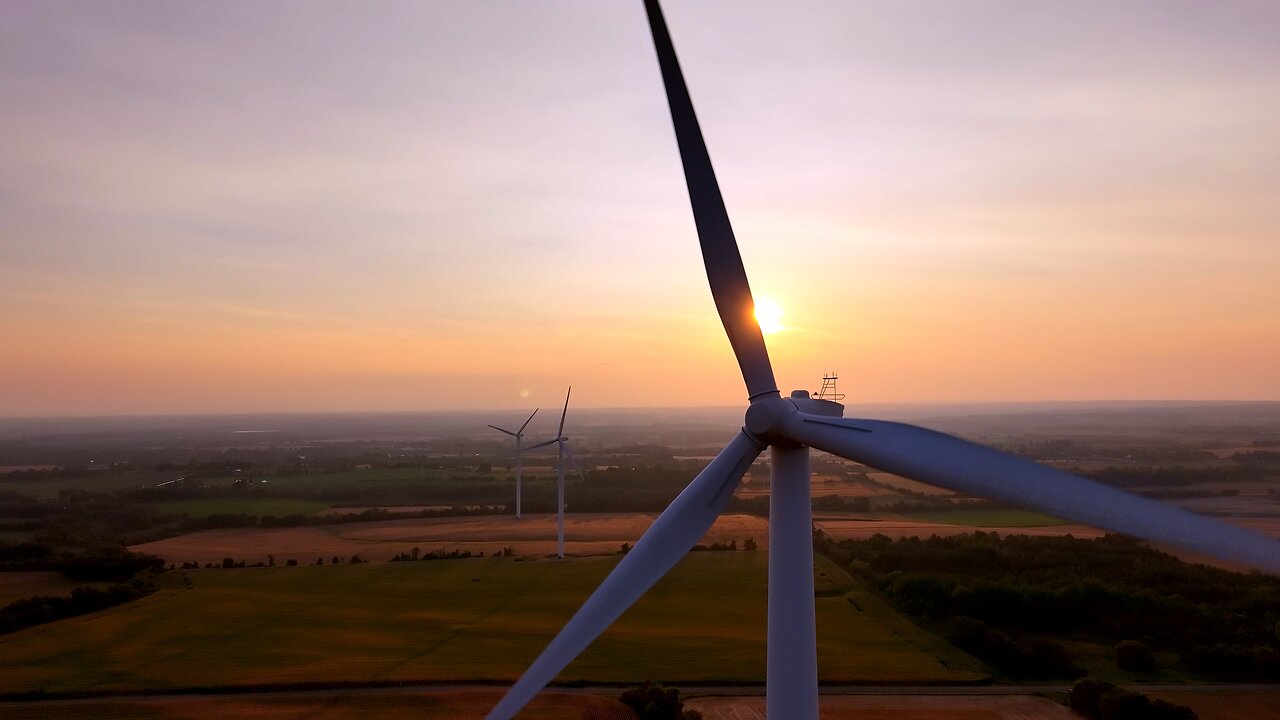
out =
column 766, row 418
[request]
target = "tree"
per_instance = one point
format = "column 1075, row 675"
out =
column 1103, row 701
column 655, row 702
column 1121, row 704
column 1134, row 656
column 1085, row 695
column 750, row 545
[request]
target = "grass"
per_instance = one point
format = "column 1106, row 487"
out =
column 887, row 637
column 989, row 518
column 457, row 621
column 237, row 505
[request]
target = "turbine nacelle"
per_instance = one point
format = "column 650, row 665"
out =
column 766, row 419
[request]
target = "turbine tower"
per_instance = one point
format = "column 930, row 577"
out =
column 788, row 427
column 519, row 436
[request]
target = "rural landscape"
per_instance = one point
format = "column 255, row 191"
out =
column 322, row 566
column 401, row 359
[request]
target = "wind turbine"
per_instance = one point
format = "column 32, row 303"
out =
column 562, row 448
column 788, row 427
column 519, row 436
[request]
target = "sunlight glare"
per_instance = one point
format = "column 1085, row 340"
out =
column 768, row 315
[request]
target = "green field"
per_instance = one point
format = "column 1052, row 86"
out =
column 238, row 505
column 386, row 477
column 94, row 482
column 989, row 518
column 459, row 620
column 885, row 635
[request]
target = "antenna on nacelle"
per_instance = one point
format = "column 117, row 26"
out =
column 828, row 391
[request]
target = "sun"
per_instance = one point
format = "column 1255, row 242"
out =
column 769, row 315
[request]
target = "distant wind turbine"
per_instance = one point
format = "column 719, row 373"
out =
column 519, row 436
column 788, row 427
column 562, row 449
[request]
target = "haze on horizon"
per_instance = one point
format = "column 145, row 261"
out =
column 321, row 206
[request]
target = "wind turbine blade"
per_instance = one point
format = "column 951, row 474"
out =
column 565, row 411
column 495, row 427
column 667, row 540
column 725, row 273
column 950, row 462
column 552, row 441
column 526, row 422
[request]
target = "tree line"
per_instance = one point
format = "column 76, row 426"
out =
column 1004, row 598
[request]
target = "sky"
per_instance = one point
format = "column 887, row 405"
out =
column 334, row 206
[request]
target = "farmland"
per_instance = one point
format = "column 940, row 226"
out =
column 900, row 483
column 1227, row 703
column 98, row 481
column 252, row 506
column 18, row 585
column 328, row 482
column 851, row 526
column 586, row 534
column 821, row 485
column 395, row 704
column 385, row 706
column 454, row 621
column 1002, row 518
column 447, row 623
column 898, row 707
column 1209, row 703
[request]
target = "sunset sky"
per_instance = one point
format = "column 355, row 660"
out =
column 321, row 206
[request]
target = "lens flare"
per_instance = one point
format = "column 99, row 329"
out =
column 769, row 315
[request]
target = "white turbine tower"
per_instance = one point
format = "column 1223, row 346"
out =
column 562, row 449
column 519, row 436
column 789, row 427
